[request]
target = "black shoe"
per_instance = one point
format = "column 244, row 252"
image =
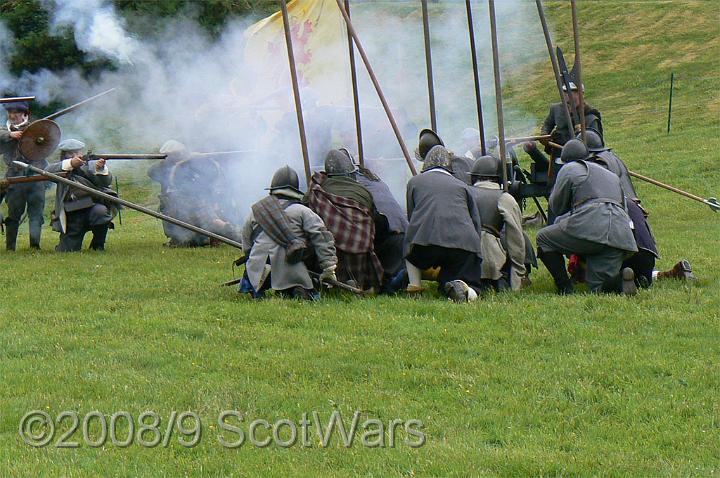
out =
column 457, row 291
column 566, row 289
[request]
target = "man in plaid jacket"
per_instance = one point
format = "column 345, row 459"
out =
column 349, row 213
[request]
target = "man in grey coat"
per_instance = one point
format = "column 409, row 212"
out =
column 503, row 240
column 592, row 222
column 444, row 230
column 77, row 212
column 280, row 236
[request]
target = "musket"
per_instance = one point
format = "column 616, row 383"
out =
column 331, row 282
column 16, row 98
column 125, row 156
column 222, row 153
column 5, row 182
column 63, row 111
column 525, row 139
column 712, row 202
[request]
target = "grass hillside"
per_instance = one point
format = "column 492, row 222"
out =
column 523, row 384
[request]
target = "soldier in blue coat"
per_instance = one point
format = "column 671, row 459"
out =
column 28, row 197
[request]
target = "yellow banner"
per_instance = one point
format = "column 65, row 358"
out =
column 319, row 40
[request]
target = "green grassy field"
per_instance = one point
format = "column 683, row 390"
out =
column 524, row 384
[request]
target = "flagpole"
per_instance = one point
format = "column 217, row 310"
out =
column 428, row 65
column 356, row 97
column 498, row 93
column 476, row 75
column 296, row 89
column 376, row 84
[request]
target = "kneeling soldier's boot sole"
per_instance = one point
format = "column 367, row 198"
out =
column 628, row 282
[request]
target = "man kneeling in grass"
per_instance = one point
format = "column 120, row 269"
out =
column 281, row 237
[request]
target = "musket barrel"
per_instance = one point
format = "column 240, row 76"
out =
column 128, row 156
column 16, row 98
column 525, row 139
column 123, row 202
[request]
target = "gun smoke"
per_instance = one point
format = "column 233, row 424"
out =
column 179, row 83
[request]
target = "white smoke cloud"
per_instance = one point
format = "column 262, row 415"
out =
column 6, row 47
column 98, row 29
column 181, row 84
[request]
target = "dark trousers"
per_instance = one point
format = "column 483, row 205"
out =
column 643, row 264
column 96, row 219
column 454, row 264
column 603, row 262
column 22, row 197
column 390, row 253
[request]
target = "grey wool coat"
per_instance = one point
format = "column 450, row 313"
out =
column 259, row 247
column 612, row 162
column 589, row 204
column 442, row 212
column 87, row 175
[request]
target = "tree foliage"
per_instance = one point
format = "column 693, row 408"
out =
column 37, row 47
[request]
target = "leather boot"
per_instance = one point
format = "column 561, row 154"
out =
column 99, row 235
column 621, row 283
column 11, row 232
column 555, row 264
column 682, row 271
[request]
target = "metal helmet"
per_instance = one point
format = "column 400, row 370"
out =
column 285, row 178
column 437, row 157
column 71, row 144
column 486, row 166
column 174, row 150
column 428, row 139
column 573, row 150
column 594, row 140
column 339, row 163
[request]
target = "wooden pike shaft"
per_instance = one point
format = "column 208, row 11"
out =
column 554, row 62
column 667, row 186
column 296, row 89
column 77, row 105
column 476, row 77
column 498, row 92
column 429, row 65
column 578, row 63
column 356, row 94
column 657, row 183
column 376, row 84
column 115, row 200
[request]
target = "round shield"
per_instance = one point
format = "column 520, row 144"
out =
column 39, row 139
